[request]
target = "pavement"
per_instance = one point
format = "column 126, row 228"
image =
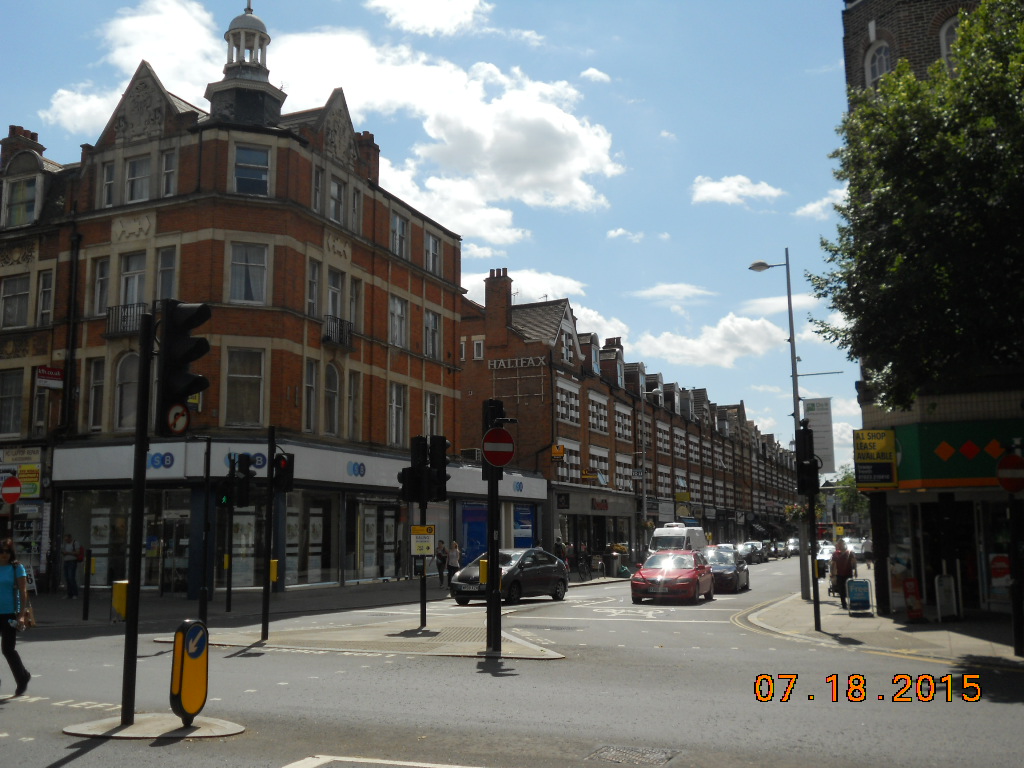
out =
column 979, row 638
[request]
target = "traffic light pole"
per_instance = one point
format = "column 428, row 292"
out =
column 135, row 525
column 229, row 544
column 493, row 568
column 203, row 590
column 268, row 534
column 423, row 572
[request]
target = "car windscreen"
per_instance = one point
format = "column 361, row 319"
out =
column 720, row 558
column 668, row 542
column 669, row 561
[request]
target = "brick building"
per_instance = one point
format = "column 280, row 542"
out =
column 335, row 308
column 622, row 449
column 941, row 518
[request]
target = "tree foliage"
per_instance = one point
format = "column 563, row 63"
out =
column 927, row 269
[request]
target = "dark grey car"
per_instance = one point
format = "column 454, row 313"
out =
column 524, row 573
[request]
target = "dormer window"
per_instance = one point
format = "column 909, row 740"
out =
column 21, row 202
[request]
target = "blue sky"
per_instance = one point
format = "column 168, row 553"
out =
column 632, row 157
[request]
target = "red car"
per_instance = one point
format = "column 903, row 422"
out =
column 674, row 574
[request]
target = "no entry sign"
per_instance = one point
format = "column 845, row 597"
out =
column 1010, row 473
column 10, row 491
column 499, row 447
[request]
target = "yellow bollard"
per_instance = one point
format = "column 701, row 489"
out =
column 273, row 570
column 483, row 570
column 119, row 599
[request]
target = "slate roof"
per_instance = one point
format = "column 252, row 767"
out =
column 541, row 321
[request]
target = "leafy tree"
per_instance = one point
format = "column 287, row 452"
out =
column 927, row 270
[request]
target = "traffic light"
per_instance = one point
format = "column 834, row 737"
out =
column 806, row 461
column 225, row 492
column 494, row 414
column 175, row 383
column 244, row 474
column 438, row 478
column 414, row 478
column 284, row 472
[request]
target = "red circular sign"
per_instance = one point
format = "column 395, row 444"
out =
column 1010, row 473
column 999, row 566
column 499, row 447
column 10, row 491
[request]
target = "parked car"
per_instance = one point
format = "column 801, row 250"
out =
column 748, row 553
column 857, row 547
column 793, row 546
column 729, row 569
column 524, row 573
column 673, row 574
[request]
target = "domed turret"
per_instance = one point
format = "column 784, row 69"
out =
column 247, row 46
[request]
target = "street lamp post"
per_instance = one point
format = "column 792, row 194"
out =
column 761, row 266
column 643, row 458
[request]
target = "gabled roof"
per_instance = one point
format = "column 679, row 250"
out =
column 541, row 321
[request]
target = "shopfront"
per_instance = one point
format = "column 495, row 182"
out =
column 598, row 523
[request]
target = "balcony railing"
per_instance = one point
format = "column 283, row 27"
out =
column 123, row 320
column 337, row 331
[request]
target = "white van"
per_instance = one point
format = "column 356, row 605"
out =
column 677, row 536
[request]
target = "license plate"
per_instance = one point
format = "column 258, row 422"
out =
column 658, row 590
column 470, row 587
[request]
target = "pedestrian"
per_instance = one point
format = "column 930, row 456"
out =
column 13, row 610
column 843, row 566
column 454, row 559
column 71, row 554
column 869, row 552
column 441, row 558
column 560, row 551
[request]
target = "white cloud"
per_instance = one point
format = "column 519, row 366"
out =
column 528, row 285
column 667, row 135
column 674, row 296
column 595, row 75
column 664, row 236
column 822, row 209
column 591, row 321
column 732, row 190
column 774, row 305
column 633, row 237
column 433, row 17
column 490, row 137
column 719, row 345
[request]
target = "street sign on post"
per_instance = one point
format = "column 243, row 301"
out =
column 1010, row 473
column 498, row 447
column 10, row 491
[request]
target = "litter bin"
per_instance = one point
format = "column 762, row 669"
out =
column 119, row 600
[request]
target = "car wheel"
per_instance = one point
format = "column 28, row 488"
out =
column 462, row 600
column 559, row 593
column 515, row 592
column 637, row 600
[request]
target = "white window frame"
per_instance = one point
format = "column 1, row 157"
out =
column 166, row 271
column 478, row 349
column 44, row 300
column 137, row 178
column 399, row 235
column 248, row 280
column 432, row 413
column 252, row 170
column 318, row 189
column 133, row 278
column 101, row 286
column 107, row 181
column 14, row 301
column 432, row 335
column 97, row 382
column 398, row 322
column 353, row 415
column 335, row 292
column 236, row 377
column 313, row 289
column 398, row 398
column 355, row 219
column 168, row 173
column 22, row 201
column 310, row 390
column 127, row 388
column 336, row 201
column 332, row 400
column 873, row 58
column 432, row 253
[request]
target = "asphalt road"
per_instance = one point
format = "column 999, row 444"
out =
column 638, row 685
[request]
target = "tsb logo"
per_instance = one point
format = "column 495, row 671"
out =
column 356, row 469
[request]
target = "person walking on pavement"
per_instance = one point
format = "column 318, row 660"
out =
column 441, row 557
column 844, row 566
column 869, row 552
column 454, row 560
column 13, row 610
column 70, row 555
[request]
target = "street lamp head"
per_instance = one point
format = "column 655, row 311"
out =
column 761, row 266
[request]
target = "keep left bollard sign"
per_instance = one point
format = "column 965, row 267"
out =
column 190, row 670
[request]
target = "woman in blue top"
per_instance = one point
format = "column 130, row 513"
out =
column 13, row 603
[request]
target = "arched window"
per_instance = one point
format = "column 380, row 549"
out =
column 127, row 391
column 947, row 35
column 877, row 63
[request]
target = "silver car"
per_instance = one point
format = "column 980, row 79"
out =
column 524, row 573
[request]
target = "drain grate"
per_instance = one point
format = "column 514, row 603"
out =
column 633, row 755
